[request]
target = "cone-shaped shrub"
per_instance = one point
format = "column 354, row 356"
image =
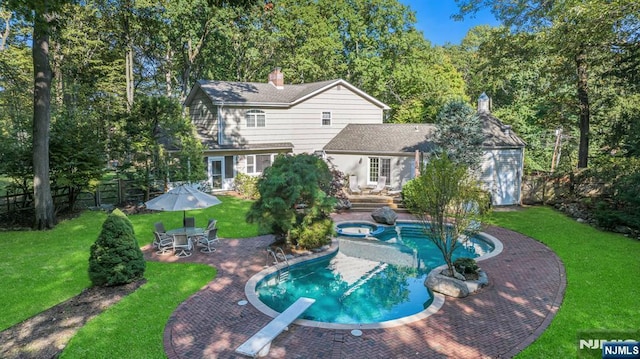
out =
column 115, row 256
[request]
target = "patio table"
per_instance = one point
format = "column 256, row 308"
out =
column 189, row 231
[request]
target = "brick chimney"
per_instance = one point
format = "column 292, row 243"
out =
column 276, row 78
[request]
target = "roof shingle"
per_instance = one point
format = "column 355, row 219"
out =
column 396, row 138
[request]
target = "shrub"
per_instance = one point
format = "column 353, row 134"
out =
column 466, row 265
column 292, row 195
column 314, row 235
column 622, row 205
column 115, row 256
column 247, row 185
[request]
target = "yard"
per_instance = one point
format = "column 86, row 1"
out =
column 49, row 267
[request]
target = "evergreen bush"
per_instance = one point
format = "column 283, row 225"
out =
column 314, row 235
column 115, row 256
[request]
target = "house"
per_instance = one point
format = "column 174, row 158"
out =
column 372, row 150
column 244, row 125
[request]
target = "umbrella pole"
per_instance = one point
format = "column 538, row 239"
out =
column 184, row 218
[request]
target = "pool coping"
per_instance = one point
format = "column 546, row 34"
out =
column 434, row 307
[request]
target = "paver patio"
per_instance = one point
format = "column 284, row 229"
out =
column 527, row 283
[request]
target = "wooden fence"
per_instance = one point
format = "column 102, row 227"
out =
column 107, row 194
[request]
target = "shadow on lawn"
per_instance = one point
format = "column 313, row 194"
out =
column 46, row 334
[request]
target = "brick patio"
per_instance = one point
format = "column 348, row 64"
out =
column 527, row 283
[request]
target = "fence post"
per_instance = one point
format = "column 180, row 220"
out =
column 120, row 191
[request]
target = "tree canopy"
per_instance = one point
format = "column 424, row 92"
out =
column 571, row 65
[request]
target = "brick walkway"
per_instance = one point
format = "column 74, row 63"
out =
column 527, row 283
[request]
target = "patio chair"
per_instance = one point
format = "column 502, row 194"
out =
column 189, row 222
column 212, row 224
column 182, row 245
column 353, row 185
column 160, row 227
column 209, row 240
column 398, row 190
column 163, row 243
column 380, row 186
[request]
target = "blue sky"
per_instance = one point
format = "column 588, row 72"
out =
column 434, row 20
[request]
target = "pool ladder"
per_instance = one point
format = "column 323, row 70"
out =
column 279, row 258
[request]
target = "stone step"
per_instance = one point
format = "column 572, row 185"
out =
column 375, row 199
column 356, row 209
column 367, row 203
column 362, row 207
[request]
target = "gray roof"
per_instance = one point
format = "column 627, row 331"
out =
column 497, row 134
column 397, row 138
column 211, row 146
column 391, row 138
column 265, row 94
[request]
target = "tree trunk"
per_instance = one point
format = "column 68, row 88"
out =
column 129, row 76
column 128, row 62
column 44, row 211
column 583, row 98
column 6, row 16
column 168, row 63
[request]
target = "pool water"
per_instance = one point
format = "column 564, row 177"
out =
column 367, row 280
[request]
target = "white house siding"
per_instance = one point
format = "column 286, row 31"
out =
column 502, row 175
column 501, row 171
column 301, row 124
column 402, row 167
column 203, row 114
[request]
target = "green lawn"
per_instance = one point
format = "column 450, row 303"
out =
column 602, row 278
column 41, row 269
column 144, row 314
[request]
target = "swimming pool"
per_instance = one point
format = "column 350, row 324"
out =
column 369, row 280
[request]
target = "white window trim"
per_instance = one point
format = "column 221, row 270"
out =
column 322, row 118
column 254, row 173
column 380, row 159
column 255, row 114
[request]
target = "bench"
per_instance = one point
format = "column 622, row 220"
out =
column 260, row 343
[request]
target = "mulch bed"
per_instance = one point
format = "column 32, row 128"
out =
column 46, row 334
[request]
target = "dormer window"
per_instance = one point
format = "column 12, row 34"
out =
column 256, row 118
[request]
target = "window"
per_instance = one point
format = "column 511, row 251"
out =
column 257, row 163
column 379, row 167
column 326, row 119
column 255, row 118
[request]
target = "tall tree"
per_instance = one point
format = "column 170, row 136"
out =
column 577, row 30
column 43, row 15
column 44, row 208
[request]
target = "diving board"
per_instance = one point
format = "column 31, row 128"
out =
column 260, row 343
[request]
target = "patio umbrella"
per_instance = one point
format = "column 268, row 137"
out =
column 182, row 198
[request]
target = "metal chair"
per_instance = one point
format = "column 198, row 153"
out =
column 209, row 240
column 163, row 243
column 190, row 222
column 211, row 224
column 182, row 245
column 160, row 227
